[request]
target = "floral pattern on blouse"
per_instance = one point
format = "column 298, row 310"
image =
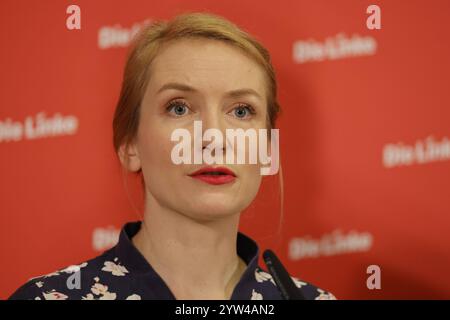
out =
column 122, row 273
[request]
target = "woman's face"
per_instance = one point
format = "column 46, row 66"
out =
column 212, row 69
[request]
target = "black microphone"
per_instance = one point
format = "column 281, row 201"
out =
column 284, row 282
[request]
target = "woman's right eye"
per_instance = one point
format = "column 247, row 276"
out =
column 177, row 108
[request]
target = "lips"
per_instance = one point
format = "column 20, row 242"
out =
column 214, row 175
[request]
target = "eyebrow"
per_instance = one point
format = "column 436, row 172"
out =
column 232, row 94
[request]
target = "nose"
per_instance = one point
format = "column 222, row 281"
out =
column 213, row 118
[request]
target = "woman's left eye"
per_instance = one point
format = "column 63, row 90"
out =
column 243, row 111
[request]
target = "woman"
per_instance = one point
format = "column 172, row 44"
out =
column 197, row 67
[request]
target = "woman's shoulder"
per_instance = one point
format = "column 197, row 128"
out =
column 309, row 290
column 70, row 282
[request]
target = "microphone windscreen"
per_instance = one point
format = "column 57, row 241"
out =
column 281, row 277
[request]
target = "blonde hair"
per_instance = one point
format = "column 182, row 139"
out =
column 145, row 47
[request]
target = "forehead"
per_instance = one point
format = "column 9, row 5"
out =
column 206, row 64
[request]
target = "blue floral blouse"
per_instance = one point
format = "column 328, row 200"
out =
column 122, row 272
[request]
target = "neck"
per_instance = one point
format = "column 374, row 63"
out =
column 196, row 259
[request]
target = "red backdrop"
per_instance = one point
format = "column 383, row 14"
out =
column 364, row 135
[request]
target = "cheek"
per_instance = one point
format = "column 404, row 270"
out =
column 251, row 186
column 155, row 147
column 252, row 178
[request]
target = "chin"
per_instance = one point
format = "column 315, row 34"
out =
column 210, row 210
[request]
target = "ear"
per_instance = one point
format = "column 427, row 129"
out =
column 129, row 157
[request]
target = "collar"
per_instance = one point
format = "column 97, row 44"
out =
column 135, row 262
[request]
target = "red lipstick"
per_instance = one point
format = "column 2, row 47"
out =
column 214, row 175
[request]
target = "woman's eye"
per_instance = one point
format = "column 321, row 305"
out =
column 243, row 111
column 178, row 109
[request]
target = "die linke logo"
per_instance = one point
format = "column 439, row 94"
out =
column 330, row 244
column 236, row 153
column 420, row 152
column 39, row 126
column 338, row 47
column 117, row 36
